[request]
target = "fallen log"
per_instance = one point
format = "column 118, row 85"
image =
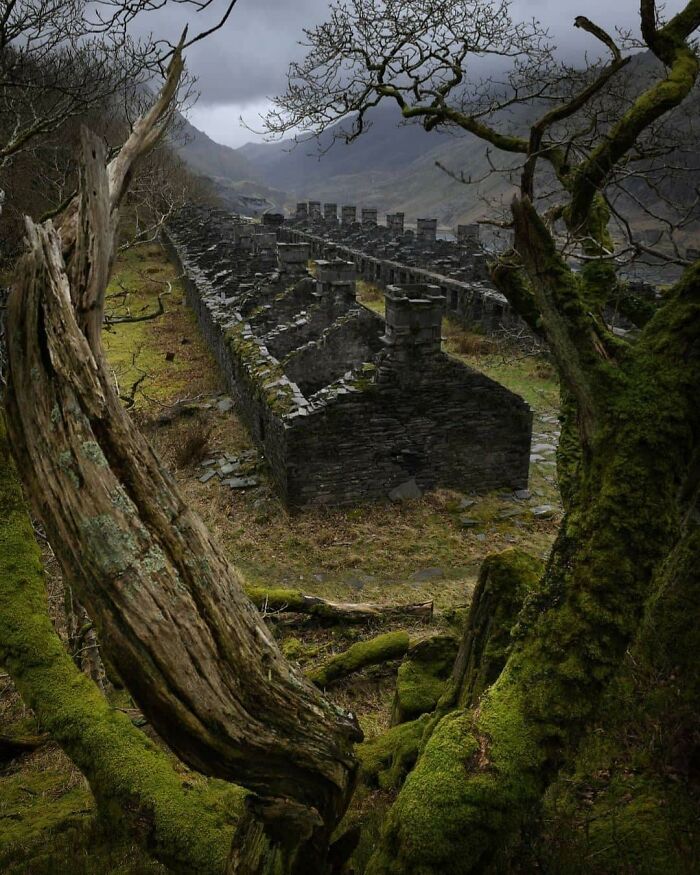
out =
column 295, row 601
column 390, row 645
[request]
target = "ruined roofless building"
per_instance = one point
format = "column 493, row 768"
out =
column 426, row 230
column 345, row 406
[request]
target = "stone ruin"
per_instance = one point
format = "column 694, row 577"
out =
column 345, row 406
column 391, row 254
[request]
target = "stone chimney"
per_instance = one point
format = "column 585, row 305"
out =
column 426, row 230
column 292, row 257
column 369, row 216
column 264, row 240
column 243, row 236
column 394, row 222
column 348, row 215
column 413, row 323
column 335, row 281
column 330, row 212
column 302, row 210
column 468, row 235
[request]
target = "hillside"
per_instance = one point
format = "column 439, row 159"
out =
column 237, row 182
column 392, row 166
column 209, row 158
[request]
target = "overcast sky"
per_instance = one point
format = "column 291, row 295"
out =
column 243, row 64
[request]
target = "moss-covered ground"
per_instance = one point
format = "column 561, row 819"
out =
column 425, row 549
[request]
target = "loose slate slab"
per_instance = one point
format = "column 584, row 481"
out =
column 241, row 482
column 407, row 491
column 468, row 522
column 229, row 468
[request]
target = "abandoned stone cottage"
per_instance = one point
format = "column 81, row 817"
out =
column 345, row 405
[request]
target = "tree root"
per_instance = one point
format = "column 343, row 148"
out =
column 390, row 645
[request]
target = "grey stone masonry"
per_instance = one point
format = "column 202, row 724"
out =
column 273, row 220
column 346, row 406
column 369, row 216
column 413, row 321
column 426, row 230
column 382, row 256
column 292, row 257
column 468, row 234
column 348, row 215
column 394, row 222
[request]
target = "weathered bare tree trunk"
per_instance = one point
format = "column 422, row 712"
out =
column 169, row 608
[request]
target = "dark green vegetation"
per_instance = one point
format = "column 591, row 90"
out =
column 627, row 461
column 563, row 736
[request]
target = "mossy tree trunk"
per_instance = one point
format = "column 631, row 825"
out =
column 624, row 519
column 187, row 825
column 170, row 610
column 628, row 464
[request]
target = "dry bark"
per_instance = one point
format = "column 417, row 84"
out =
column 170, row 610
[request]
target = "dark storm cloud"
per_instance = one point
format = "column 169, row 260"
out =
column 248, row 58
column 246, row 61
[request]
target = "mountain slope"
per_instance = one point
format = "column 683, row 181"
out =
column 392, row 166
column 208, row 158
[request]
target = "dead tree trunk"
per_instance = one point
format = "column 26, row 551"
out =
column 187, row 826
column 294, row 601
column 169, row 608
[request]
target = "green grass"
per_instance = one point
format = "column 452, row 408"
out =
column 138, row 350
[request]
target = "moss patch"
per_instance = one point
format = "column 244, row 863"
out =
column 388, row 758
column 421, row 677
column 382, row 648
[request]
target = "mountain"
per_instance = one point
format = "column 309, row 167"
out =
column 208, row 158
column 392, row 166
column 236, row 181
